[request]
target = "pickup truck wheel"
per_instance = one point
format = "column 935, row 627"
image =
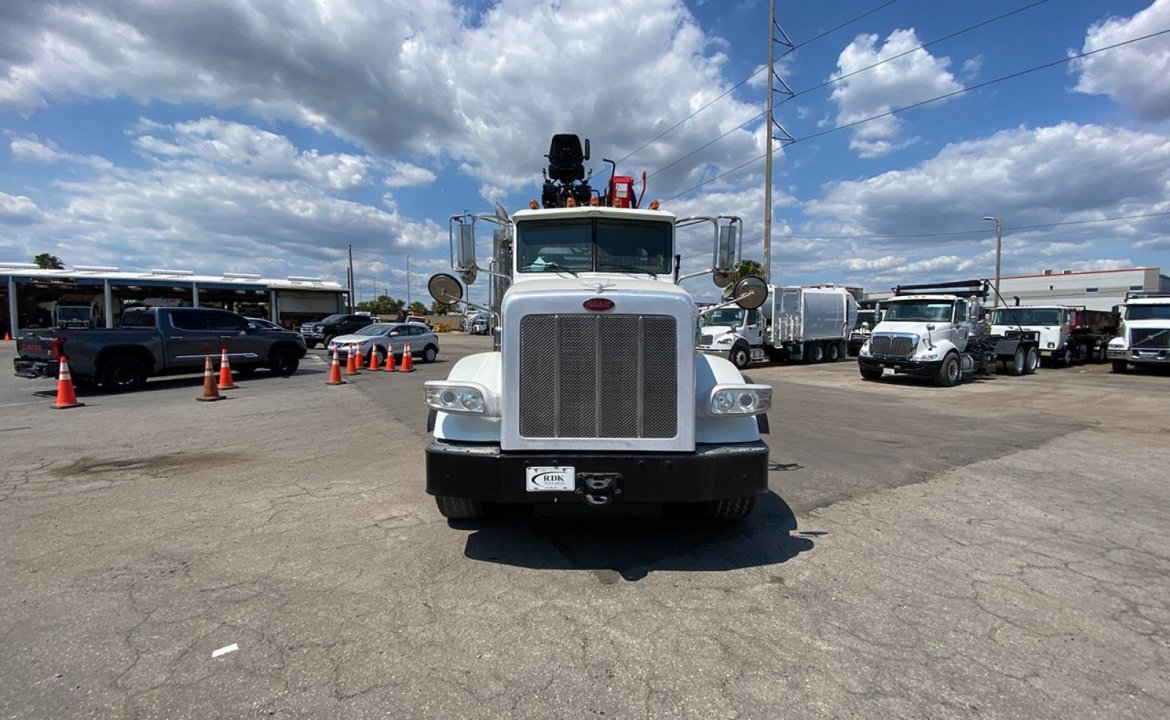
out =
column 283, row 362
column 327, row 339
column 947, row 374
column 1032, row 361
column 1120, row 366
column 834, row 352
column 730, row 509
column 310, row 343
column 454, row 508
column 872, row 373
column 122, row 373
column 430, row 352
column 740, row 356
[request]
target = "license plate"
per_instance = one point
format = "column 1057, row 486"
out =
column 551, row 479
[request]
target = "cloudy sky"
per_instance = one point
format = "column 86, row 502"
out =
column 270, row 136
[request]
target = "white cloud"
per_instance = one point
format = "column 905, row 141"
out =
column 912, row 78
column 30, row 149
column 1135, row 74
column 18, row 210
column 404, row 174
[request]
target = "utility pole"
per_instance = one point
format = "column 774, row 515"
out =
column 998, row 248
column 407, row 283
column 770, row 122
column 351, row 300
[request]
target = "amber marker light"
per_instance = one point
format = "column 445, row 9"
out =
column 653, row 204
column 532, row 205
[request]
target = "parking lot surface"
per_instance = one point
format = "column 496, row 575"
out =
column 999, row 549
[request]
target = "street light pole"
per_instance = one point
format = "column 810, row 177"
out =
column 407, row 283
column 998, row 248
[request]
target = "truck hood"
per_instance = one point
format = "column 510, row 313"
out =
column 908, row 328
column 716, row 330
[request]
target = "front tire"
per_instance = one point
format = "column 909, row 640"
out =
column 310, row 343
column 730, row 509
column 122, row 373
column 947, row 374
column 872, row 374
column 1120, row 366
column 740, row 356
column 283, row 362
column 454, row 508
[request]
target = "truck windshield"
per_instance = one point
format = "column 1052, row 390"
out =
column 919, row 311
column 1147, row 312
column 593, row 244
column 723, row 316
column 865, row 316
column 1025, row 316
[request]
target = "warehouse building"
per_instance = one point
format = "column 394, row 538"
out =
column 91, row 296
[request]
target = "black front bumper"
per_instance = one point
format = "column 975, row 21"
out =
column 909, row 367
column 712, row 472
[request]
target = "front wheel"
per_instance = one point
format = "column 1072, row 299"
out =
column 454, row 508
column 947, row 374
column 283, row 362
column 871, row 373
column 740, row 356
column 1120, row 366
column 122, row 373
column 730, row 509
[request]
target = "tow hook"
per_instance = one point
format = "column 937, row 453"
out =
column 599, row 488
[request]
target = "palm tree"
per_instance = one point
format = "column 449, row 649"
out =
column 746, row 268
column 45, row 261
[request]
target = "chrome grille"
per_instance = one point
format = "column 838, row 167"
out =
column 594, row 376
column 892, row 345
column 1149, row 339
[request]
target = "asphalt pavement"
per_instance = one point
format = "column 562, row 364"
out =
column 999, row 549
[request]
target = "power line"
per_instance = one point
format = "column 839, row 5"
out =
column 896, row 111
column 755, row 72
column 848, row 75
column 923, row 46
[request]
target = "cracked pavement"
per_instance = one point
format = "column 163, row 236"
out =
column 999, row 550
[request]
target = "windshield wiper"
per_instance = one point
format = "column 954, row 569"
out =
column 558, row 268
column 627, row 268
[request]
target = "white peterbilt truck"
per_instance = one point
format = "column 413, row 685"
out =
column 596, row 400
column 1144, row 337
column 795, row 323
column 943, row 335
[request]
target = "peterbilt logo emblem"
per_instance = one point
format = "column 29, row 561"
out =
column 598, row 304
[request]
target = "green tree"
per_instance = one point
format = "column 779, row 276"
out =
column 49, row 262
column 417, row 308
column 746, row 268
column 438, row 308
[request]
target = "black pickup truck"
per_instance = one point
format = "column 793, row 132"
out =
column 157, row 341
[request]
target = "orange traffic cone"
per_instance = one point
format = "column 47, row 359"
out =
column 373, row 358
column 407, row 360
column 335, row 371
column 225, row 372
column 7, row 337
column 210, row 391
column 351, row 367
column 389, row 367
column 66, row 398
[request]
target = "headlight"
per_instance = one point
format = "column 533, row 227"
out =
column 724, row 341
column 864, row 349
column 740, row 399
column 456, row 397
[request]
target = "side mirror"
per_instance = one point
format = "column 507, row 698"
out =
column 465, row 251
column 445, row 289
column 751, row 291
column 725, row 255
column 585, row 155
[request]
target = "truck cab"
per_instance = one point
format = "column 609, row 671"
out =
column 733, row 332
column 1144, row 332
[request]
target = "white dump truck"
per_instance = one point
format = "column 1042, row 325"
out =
column 1068, row 334
column 938, row 331
column 596, row 400
column 810, row 324
column 1144, row 332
